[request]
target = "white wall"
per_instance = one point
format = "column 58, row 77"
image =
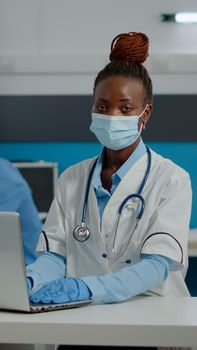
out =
column 58, row 46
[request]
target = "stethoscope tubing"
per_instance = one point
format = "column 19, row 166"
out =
column 147, row 173
column 84, row 211
column 134, row 195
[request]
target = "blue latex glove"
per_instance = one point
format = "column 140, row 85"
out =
column 29, row 283
column 61, row 290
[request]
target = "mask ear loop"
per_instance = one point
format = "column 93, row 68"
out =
column 143, row 124
column 141, row 127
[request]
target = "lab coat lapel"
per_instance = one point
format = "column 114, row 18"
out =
column 93, row 216
column 93, row 210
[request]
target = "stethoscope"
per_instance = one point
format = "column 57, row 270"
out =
column 81, row 232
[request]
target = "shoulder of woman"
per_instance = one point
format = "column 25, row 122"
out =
column 79, row 169
column 168, row 168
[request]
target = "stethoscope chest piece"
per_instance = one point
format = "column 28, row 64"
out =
column 81, row 233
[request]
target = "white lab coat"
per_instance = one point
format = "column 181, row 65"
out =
column 162, row 230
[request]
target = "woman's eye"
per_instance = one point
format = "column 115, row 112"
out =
column 126, row 109
column 101, row 108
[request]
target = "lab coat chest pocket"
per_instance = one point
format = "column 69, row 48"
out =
column 126, row 235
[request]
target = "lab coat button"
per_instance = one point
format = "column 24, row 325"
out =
column 104, row 255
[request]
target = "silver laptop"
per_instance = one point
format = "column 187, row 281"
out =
column 13, row 287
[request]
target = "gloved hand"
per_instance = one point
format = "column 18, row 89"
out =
column 62, row 290
column 29, row 283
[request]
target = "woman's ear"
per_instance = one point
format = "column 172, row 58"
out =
column 147, row 114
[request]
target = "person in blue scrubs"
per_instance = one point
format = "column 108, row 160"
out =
column 15, row 195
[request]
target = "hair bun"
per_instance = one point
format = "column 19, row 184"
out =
column 129, row 47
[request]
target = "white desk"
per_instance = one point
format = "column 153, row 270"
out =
column 144, row 321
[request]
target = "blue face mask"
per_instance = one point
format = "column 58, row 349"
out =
column 116, row 132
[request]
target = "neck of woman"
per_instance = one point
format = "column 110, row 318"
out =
column 115, row 159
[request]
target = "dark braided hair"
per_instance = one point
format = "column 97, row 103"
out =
column 128, row 52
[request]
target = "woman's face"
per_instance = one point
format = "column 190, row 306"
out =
column 119, row 95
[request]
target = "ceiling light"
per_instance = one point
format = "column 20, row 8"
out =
column 186, row 17
column 180, row 17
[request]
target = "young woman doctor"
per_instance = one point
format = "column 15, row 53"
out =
column 118, row 225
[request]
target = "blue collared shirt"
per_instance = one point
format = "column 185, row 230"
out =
column 102, row 194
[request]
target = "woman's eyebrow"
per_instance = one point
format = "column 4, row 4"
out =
column 102, row 99
column 122, row 99
column 125, row 99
